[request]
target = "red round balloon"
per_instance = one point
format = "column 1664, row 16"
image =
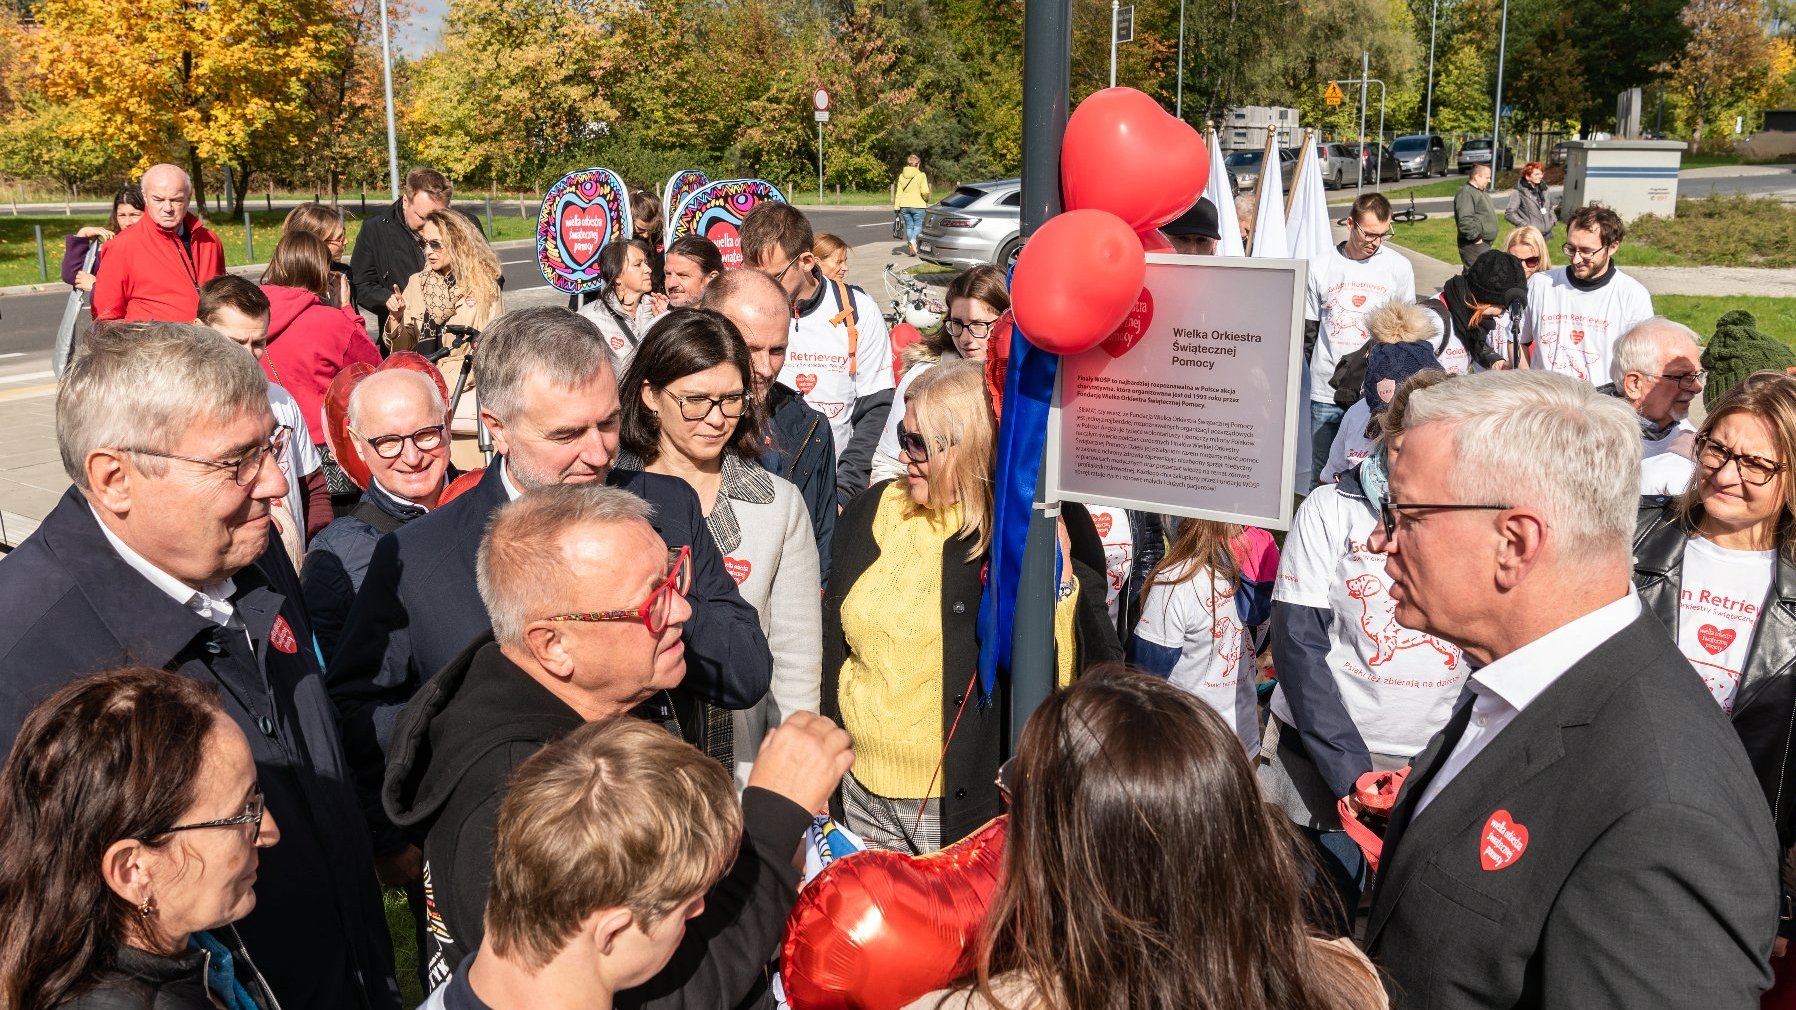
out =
column 336, row 406
column 877, row 930
column 1076, row 280
column 1125, row 154
column 1155, row 241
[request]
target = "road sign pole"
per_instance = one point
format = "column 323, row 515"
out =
column 1365, row 69
column 820, row 161
column 1115, row 11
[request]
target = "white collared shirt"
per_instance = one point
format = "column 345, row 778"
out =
column 512, row 492
column 1503, row 689
column 213, row 602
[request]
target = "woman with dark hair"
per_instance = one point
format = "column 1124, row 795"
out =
column 1133, row 819
column 688, row 412
column 1717, row 566
column 628, row 303
column 692, row 263
column 77, row 272
column 648, row 222
column 132, row 818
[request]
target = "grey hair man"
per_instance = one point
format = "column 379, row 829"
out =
column 549, row 396
column 1587, row 791
column 154, row 272
column 160, row 554
column 588, row 607
column 801, row 448
column 398, row 431
column 1656, row 367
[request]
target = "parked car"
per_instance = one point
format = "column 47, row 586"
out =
column 977, row 223
column 1477, row 152
column 1422, row 154
column 1380, row 163
column 1244, row 167
column 1339, row 164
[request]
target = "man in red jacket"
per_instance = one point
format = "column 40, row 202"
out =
column 154, row 269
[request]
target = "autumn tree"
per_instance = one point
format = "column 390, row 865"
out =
column 1725, row 62
column 1620, row 45
column 1547, row 80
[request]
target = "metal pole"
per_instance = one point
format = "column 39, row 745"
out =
column 1428, row 108
column 1365, row 68
column 386, row 65
column 43, row 265
column 1378, row 177
column 819, row 162
column 1047, row 69
column 249, row 240
column 1179, row 99
column 1496, row 118
column 1115, row 11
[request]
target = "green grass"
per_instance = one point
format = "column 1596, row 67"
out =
column 1776, row 316
column 1438, row 237
column 405, row 946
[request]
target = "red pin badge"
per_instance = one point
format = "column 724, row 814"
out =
column 1502, row 843
column 281, row 636
column 738, row 568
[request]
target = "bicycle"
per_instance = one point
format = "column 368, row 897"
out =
column 912, row 302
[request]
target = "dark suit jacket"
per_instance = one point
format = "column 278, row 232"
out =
column 1648, row 874
column 419, row 606
column 69, row 606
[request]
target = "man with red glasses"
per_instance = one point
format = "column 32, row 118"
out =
column 588, row 605
column 1577, row 312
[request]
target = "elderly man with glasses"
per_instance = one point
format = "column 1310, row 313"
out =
column 1657, row 369
column 589, row 608
column 1577, row 312
column 161, row 555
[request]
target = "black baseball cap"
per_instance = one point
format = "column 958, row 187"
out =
column 1200, row 221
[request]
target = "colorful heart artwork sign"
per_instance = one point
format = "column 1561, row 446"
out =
column 716, row 212
column 680, row 185
column 583, row 211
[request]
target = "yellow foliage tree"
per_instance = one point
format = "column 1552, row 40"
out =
column 1725, row 62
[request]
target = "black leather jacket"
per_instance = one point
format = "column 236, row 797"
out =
column 139, row 980
column 1765, row 708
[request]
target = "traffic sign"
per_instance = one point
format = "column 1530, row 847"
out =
column 822, row 115
column 1332, row 94
column 1508, row 111
column 1125, row 24
column 821, row 100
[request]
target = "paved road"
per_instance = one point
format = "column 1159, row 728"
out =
column 28, row 322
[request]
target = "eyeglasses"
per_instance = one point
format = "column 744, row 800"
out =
column 732, row 405
column 1754, row 470
column 252, row 814
column 244, row 468
column 981, row 330
column 1530, row 261
column 1576, row 253
column 1387, row 512
column 913, row 444
column 1372, row 236
column 432, row 244
column 1688, row 380
column 390, row 446
column 781, row 276
column 655, row 610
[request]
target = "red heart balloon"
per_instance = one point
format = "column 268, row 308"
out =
column 1127, row 335
column 336, row 406
column 1076, row 280
column 877, row 930
column 1125, row 154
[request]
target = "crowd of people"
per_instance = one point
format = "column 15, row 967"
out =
column 291, row 636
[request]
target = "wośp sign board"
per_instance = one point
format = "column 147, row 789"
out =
column 581, row 213
column 1191, row 407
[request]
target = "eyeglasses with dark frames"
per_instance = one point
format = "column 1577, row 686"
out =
column 1576, row 253
column 252, row 814
column 1688, row 380
column 243, row 469
column 427, row 439
column 655, row 610
column 1387, row 512
column 980, row 329
column 731, row 404
column 781, row 276
column 1754, row 470
column 914, row 445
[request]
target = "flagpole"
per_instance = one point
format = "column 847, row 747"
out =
column 1309, row 143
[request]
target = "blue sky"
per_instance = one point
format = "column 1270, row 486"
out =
column 421, row 35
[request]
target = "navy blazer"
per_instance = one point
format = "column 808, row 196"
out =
column 69, row 605
column 419, row 606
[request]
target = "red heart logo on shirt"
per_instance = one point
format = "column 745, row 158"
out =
column 1359, row 300
column 1714, row 639
column 281, row 636
column 1128, row 334
column 617, row 343
column 806, row 383
column 1103, row 521
column 738, row 568
column 1502, row 842
column 1577, row 336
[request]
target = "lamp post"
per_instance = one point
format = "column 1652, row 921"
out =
column 1178, row 102
column 386, row 62
column 1496, row 118
column 1428, row 108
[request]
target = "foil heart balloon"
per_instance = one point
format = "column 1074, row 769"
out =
column 876, row 930
column 336, row 406
column 1076, row 280
column 1125, row 154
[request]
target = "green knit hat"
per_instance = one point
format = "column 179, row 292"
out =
column 1737, row 350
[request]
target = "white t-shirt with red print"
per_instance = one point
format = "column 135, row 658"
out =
column 1722, row 596
column 817, row 362
column 1398, row 685
column 1341, row 293
column 1197, row 616
column 1574, row 331
column 1119, row 552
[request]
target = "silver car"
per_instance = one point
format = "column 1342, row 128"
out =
column 978, row 223
column 1340, row 165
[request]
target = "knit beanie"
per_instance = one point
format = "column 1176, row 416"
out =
column 1737, row 350
column 1494, row 276
column 1387, row 367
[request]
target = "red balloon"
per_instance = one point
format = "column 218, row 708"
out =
column 1155, row 241
column 877, row 930
column 1076, row 280
column 336, row 407
column 1125, row 154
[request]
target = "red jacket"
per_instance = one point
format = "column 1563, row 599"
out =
column 148, row 274
column 309, row 342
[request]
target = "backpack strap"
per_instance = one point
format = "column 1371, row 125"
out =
column 375, row 516
column 849, row 316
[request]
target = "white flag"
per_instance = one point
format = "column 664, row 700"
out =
column 1307, row 225
column 1269, row 239
column 1221, row 192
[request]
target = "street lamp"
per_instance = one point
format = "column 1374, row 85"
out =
column 1428, row 111
column 386, row 61
column 1496, row 119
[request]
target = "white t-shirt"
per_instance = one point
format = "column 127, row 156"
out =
column 1722, row 595
column 1573, row 331
column 1119, row 552
column 1667, row 473
column 1398, row 685
column 817, row 358
column 301, row 458
column 1455, row 359
column 1198, row 617
column 885, row 459
column 1342, row 292
column 1351, row 446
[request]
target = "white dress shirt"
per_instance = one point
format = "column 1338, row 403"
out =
column 512, row 491
column 1503, row 689
column 213, row 602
